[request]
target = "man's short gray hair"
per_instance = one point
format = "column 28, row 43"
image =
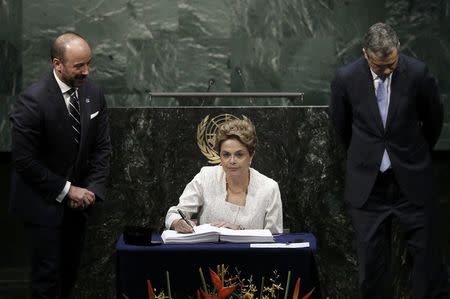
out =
column 380, row 40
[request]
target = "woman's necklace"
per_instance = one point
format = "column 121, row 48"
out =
column 238, row 195
column 237, row 191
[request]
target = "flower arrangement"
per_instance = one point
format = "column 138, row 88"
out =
column 226, row 286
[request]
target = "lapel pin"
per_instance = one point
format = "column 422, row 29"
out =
column 87, row 100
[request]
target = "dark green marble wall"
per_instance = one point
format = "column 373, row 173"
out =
column 244, row 45
column 10, row 64
column 155, row 154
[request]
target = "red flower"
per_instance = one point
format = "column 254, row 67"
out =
column 222, row 292
column 151, row 294
column 309, row 294
column 297, row 291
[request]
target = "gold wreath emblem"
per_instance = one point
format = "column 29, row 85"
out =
column 206, row 135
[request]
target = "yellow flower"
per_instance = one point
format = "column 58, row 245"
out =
column 247, row 296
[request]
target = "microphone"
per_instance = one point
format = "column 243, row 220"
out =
column 210, row 84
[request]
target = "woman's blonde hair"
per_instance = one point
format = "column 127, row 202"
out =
column 240, row 129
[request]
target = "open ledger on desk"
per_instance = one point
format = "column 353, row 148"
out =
column 208, row 233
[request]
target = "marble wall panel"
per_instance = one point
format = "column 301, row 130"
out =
column 42, row 23
column 250, row 45
column 155, row 154
column 204, row 19
column 6, row 104
column 424, row 30
column 10, row 74
column 10, row 64
column 443, row 143
column 11, row 21
column 272, row 43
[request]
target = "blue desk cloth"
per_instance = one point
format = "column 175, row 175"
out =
column 136, row 264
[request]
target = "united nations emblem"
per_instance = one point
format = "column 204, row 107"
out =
column 206, row 135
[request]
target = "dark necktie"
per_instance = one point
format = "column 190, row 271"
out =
column 383, row 105
column 74, row 113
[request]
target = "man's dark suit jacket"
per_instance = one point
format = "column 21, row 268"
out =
column 413, row 126
column 44, row 153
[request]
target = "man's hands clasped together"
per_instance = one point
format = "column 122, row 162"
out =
column 80, row 198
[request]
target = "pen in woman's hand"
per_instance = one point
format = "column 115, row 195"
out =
column 185, row 219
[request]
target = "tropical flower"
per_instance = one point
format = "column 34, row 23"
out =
column 297, row 291
column 237, row 287
column 222, row 291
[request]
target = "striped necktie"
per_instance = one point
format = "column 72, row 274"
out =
column 74, row 113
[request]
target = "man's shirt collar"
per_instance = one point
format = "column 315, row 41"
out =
column 63, row 86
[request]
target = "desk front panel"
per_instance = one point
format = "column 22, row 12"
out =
column 137, row 264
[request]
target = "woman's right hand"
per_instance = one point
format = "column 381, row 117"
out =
column 181, row 226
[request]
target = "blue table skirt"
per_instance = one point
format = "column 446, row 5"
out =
column 136, row 264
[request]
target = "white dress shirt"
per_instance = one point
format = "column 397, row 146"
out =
column 65, row 92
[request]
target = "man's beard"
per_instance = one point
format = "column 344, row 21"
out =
column 78, row 80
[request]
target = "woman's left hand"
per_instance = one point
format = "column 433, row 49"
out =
column 226, row 224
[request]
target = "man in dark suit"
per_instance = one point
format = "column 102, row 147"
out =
column 387, row 111
column 61, row 149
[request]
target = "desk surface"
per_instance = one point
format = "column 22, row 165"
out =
column 281, row 238
column 136, row 264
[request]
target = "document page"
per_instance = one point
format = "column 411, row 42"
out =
column 280, row 245
column 245, row 235
column 208, row 233
column 202, row 233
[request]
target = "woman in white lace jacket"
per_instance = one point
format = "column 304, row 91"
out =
column 233, row 194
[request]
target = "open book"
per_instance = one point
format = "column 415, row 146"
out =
column 208, row 233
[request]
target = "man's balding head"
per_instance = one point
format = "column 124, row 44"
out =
column 63, row 41
column 71, row 57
